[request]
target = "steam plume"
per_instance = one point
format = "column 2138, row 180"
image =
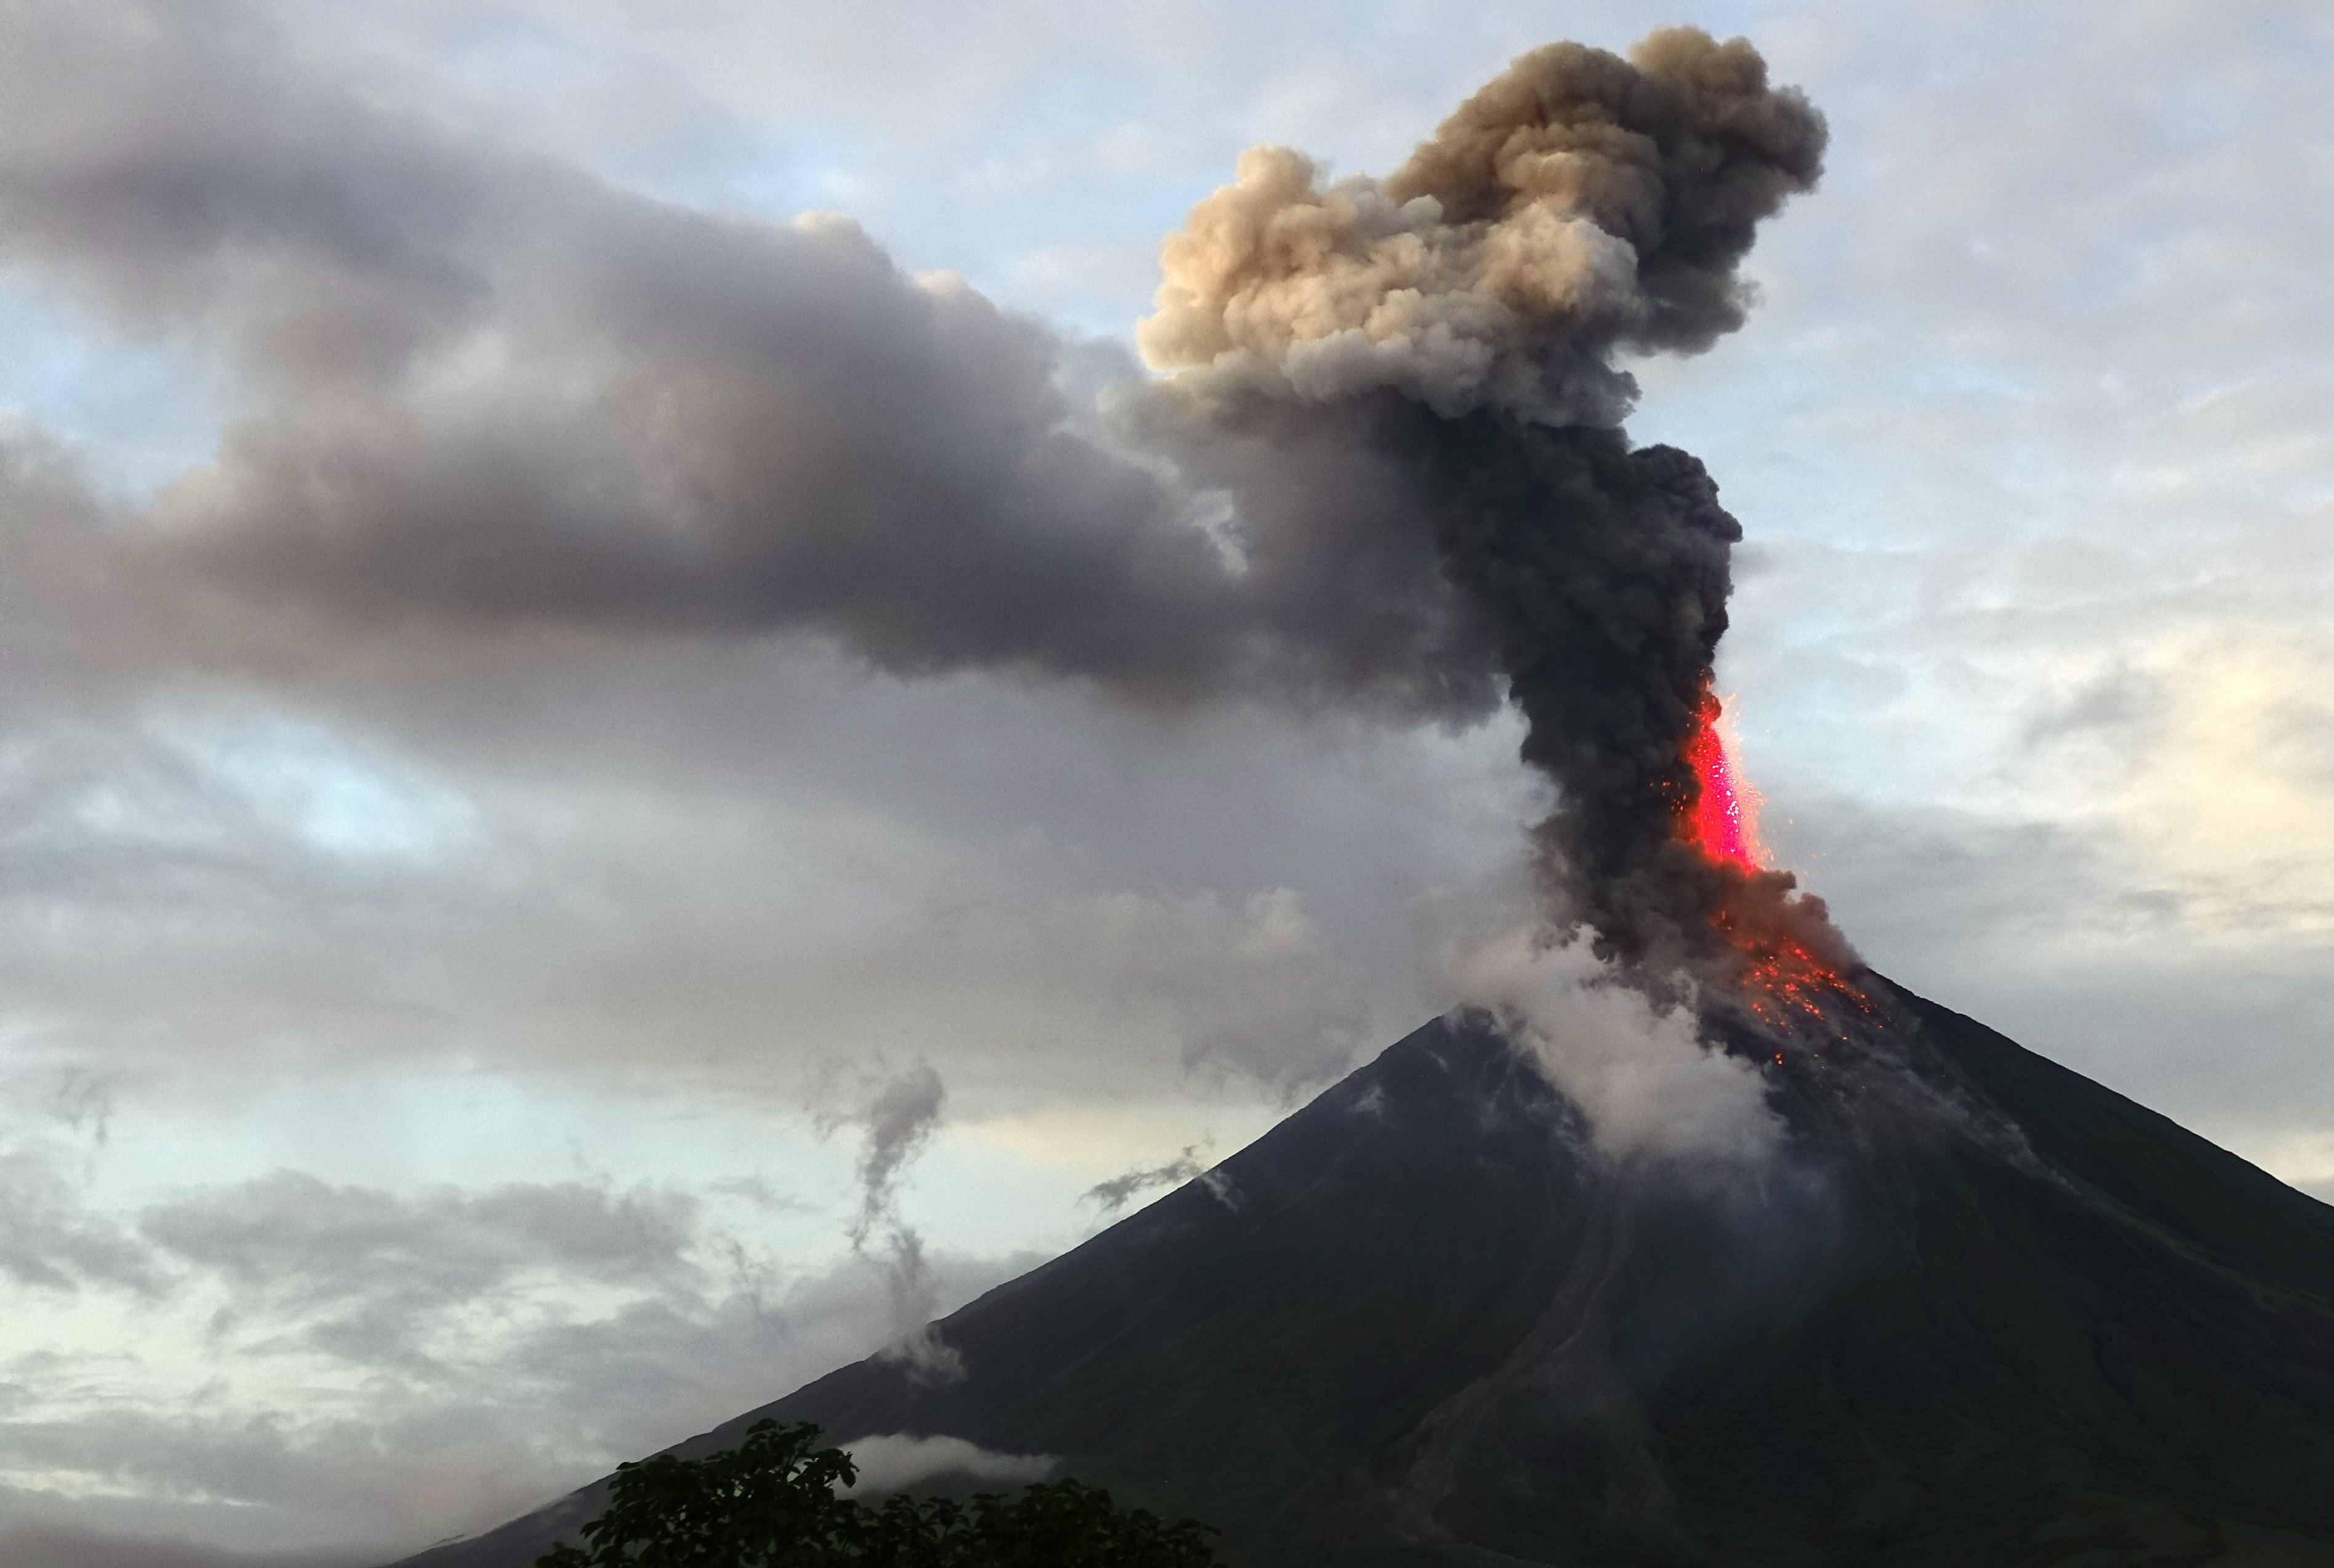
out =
column 895, row 1121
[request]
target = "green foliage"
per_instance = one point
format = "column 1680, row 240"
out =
column 771, row 1503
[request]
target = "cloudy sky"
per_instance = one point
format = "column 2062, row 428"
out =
column 474, row 1007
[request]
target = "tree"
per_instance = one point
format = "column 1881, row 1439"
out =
column 772, row 1502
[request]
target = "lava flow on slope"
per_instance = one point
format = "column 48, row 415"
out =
column 1780, row 979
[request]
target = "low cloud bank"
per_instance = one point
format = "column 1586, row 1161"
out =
column 59, row 1546
column 889, row 1462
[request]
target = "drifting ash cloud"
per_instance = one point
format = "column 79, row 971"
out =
column 485, row 390
column 1380, row 470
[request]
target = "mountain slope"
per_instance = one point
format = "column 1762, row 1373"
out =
column 1986, row 1311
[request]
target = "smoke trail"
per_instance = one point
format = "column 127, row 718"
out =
column 896, row 1121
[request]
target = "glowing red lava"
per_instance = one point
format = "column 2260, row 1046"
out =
column 1724, row 822
column 1782, row 980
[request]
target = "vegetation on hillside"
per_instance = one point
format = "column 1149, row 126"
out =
column 774, row 1501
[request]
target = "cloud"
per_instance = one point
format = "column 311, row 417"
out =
column 1991, row 442
column 665, row 1367
column 493, row 396
column 65, row 1546
column 215, row 882
column 1251, row 988
column 290, row 1231
column 343, row 1372
column 896, row 1118
column 58, row 1241
column 367, row 1274
column 896, row 1460
column 1645, row 1086
column 501, row 415
column 381, row 1453
column 1114, row 1194
column 48, row 1239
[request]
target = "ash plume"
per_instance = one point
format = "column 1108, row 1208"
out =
column 1461, row 318
column 1380, row 469
column 483, row 392
column 1579, row 203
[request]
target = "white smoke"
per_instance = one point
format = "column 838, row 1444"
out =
column 890, row 1461
column 896, row 1120
column 1649, row 1089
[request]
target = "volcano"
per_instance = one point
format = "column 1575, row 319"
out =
column 1978, row 1311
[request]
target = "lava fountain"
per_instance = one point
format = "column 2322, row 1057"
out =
column 1781, row 979
column 1722, row 819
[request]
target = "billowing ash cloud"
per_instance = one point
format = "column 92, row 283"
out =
column 1462, row 317
column 1579, row 203
column 1382, row 471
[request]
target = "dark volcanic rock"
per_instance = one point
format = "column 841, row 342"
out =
column 1983, row 1312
